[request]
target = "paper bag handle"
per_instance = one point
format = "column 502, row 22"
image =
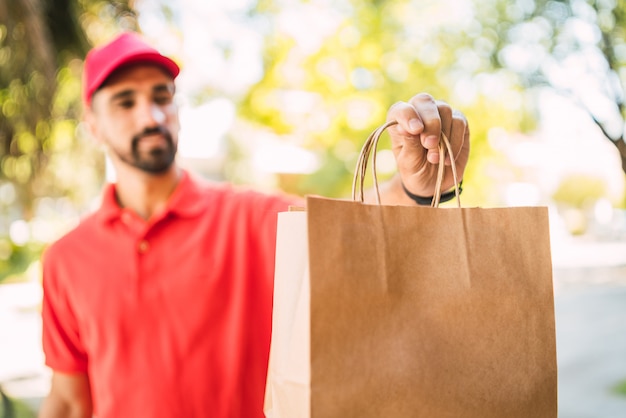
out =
column 371, row 144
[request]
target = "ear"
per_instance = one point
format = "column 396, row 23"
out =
column 91, row 121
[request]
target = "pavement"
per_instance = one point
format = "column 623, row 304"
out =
column 590, row 312
column 22, row 371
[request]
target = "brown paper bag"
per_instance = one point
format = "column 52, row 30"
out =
column 384, row 311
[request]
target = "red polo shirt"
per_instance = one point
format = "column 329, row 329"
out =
column 169, row 317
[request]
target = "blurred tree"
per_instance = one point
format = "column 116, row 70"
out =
column 576, row 47
column 329, row 82
column 40, row 42
column 579, row 191
column 27, row 74
column 44, row 164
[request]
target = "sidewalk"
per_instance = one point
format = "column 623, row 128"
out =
column 590, row 312
column 22, row 372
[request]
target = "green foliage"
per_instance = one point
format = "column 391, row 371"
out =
column 41, row 43
column 12, row 408
column 43, row 152
column 620, row 388
column 326, row 96
column 579, row 191
column 15, row 259
column 331, row 97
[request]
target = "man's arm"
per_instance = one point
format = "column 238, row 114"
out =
column 70, row 397
column 415, row 142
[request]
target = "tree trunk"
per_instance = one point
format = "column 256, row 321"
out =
column 621, row 146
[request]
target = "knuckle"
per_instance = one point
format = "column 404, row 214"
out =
column 459, row 117
column 423, row 97
column 395, row 106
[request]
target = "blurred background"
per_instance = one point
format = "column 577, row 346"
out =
column 281, row 94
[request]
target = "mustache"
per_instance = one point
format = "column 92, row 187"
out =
column 151, row 131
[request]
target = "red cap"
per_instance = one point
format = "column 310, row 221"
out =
column 127, row 48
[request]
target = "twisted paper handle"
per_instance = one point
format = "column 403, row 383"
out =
column 358, row 182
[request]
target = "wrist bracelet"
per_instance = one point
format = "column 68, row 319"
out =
column 427, row 201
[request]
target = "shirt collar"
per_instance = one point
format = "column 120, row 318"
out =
column 189, row 197
column 187, row 200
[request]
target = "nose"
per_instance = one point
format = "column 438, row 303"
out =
column 157, row 114
column 150, row 115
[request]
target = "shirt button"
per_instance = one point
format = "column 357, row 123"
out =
column 143, row 246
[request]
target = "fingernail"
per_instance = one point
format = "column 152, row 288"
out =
column 433, row 157
column 415, row 125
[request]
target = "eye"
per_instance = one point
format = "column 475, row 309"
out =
column 163, row 99
column 126, row 104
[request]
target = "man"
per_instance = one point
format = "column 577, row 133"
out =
column 159, row 304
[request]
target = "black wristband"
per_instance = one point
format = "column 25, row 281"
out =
column 427, row 201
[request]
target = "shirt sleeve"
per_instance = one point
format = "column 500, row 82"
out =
column 62, row 345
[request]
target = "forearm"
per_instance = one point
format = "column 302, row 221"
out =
column 70, row 397
column 55, row 407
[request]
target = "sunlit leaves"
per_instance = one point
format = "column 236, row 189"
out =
column 41, row 153
column 378, row 54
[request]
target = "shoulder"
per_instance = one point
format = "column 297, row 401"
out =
column 244, row 198
column 78, row 236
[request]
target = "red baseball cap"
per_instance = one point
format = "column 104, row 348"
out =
column 127, row 48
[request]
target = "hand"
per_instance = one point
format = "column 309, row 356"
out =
column 415, row 142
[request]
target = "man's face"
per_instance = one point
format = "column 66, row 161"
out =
column 134, row 115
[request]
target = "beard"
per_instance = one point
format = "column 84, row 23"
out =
column 154, row 161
